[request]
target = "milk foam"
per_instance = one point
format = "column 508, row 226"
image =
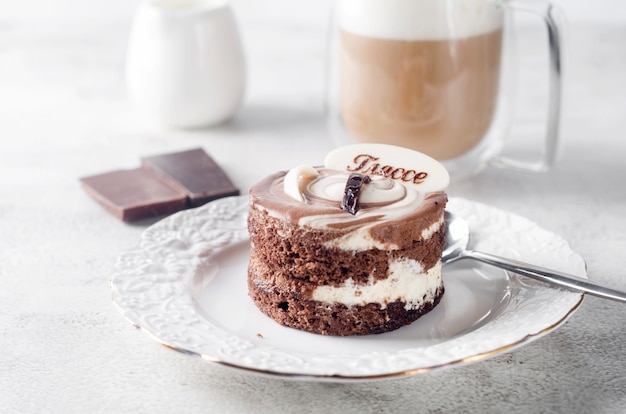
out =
column 182, row 5
column 418, row 19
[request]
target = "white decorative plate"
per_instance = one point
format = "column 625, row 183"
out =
column 186, row 286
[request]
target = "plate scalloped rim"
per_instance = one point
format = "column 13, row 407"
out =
column 153, row 283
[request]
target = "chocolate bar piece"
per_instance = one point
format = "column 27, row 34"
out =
column 134, row 194
column 194, row 173
column 164, row 184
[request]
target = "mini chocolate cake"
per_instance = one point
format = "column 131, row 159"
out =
column 351, row 248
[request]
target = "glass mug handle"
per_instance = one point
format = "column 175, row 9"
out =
column 550, row 16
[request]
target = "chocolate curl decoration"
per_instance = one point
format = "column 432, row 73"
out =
column 350, row 202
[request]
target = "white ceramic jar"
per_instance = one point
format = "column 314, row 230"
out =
column 185, row 64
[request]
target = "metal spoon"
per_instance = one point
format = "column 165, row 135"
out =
column 457, row 239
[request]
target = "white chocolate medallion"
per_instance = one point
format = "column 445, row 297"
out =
column 409, row 167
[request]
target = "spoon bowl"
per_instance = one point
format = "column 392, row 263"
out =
column 456, row 248
column 457, row 237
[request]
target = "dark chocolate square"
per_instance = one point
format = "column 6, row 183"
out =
column 134, row 194
column 194, row 173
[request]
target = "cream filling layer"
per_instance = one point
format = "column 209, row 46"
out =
column 406, row 282
column 427, row 233
column 361, row 239
column 358, row 241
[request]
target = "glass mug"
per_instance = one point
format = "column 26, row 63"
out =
column 434, row 76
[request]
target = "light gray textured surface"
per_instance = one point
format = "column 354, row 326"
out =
column 64, row 114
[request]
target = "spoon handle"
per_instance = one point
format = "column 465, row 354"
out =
column 553, row 277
